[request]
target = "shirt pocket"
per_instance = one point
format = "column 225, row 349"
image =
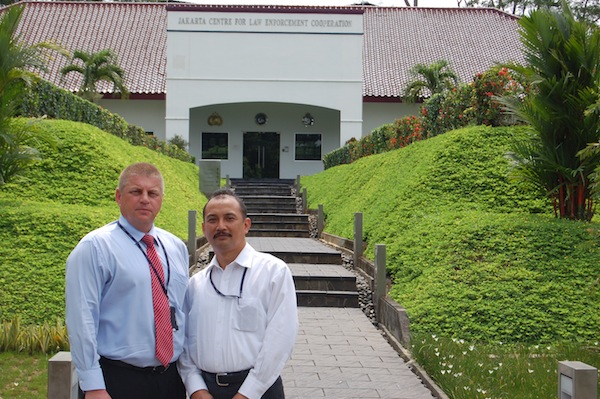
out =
column 250, row 315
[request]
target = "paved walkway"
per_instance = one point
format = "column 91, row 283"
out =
column 339, row 353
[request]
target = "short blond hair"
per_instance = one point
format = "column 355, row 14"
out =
column 140, row 169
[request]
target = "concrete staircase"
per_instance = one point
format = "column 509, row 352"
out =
column 278, row 229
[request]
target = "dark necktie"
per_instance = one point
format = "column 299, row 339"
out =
column 160, row 302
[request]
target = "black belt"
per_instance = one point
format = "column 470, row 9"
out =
column 151, row 369
column 224, row 379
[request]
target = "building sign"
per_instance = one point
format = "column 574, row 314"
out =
column 252, row 22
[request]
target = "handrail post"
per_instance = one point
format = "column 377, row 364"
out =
column 191, row 241
column 320, row 220
column 380, row 274
column 304, row 201
column 358, row 234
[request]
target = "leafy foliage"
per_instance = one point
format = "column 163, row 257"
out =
column 429, row 80
column 472, row 254
column 563, row 65
column 467, row 104
column 17, row 151
column 99, row 66
column 45, row 99
column 67, row 194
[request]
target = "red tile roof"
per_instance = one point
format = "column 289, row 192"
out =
column 395, row 39
column 136, row 32
column 470, row 39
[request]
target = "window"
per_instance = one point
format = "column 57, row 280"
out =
column 215, row 146
column 308, row 147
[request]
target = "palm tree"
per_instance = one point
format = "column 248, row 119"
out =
column 96, row 67
column 563, row 64
column 435, row 78
column 16, row 142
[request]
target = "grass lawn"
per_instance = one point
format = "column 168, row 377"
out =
column 23, row 376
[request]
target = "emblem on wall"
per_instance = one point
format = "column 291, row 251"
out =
column 215, row 119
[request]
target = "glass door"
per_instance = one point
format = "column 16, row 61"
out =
column 261, row 155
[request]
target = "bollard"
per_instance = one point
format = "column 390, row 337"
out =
column 62, row 378
column 380, row 273
column 358, row 233
column 577, row 380
column 191, row 241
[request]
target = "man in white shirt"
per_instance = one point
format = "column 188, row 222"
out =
column 241, row 313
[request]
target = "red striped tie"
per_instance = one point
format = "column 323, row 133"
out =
column 160, row 302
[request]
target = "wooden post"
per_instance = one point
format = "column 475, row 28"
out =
column 320, row 220
column 227, row 182
column 304, row 201
column 380, row 273
column 358, row 241
column 297, row 185
column 191, row 241
column 62, row 378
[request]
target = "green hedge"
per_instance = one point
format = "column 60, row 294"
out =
column 43, row 99
column 475, row 103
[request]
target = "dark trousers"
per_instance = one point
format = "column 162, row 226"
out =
column 218, row 392
column 132, row 383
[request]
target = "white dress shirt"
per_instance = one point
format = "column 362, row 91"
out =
column 256, row 331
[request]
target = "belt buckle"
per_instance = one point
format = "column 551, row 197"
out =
column 219, row 383
column 160, row 369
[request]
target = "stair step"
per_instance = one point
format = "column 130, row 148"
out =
column 267, row 200
column 257, row 208
column 303, row 226
column 337, row 299
column 283, row 217
column 278, row 233
column 263, row 191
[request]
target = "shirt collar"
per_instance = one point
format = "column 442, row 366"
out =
column 244, row 258
column 135, row 233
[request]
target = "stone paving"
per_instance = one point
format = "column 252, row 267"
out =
column 340, row 354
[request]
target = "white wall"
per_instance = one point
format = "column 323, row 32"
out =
column 147, row 114
column 284, row 119
column 379, row 113
column 235, row 58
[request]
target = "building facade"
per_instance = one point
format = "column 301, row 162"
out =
column 268, row 90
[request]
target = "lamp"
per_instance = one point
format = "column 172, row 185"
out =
column 577, row 380
column 260, row 118
column 308, row 120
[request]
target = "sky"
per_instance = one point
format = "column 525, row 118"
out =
column 384, row 3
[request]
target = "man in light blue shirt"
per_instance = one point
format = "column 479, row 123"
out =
column 109, row 297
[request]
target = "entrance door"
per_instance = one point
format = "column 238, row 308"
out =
column 261, row 155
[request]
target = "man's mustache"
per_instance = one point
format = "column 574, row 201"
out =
column 221, row 234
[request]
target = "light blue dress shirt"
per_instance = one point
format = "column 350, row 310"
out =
column 109, row 298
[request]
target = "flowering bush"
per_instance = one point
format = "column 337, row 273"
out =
column 406, row 131
column 487, row 87
column 447, row 111
column 476, row 103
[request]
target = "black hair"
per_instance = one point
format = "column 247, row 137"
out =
column 225, row 192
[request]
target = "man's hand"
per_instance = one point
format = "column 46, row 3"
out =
column 201, row 394
column 239, row 396
column 97, row 394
